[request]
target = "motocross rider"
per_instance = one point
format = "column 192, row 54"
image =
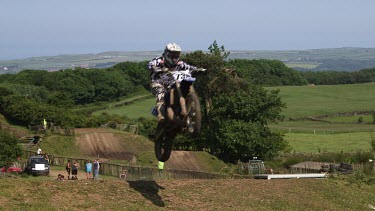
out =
column 169, row 60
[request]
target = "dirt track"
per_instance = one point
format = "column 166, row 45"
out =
column 94, row 142
column 102, row 142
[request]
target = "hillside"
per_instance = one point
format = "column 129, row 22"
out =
column 230, row 194
column 340, row 59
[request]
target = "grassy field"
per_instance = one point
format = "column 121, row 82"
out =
column 141, row 108
column 243, row 194
column 321, row 127
column 303, row 101
column 305, row 65
column 316, row 143
column 367, row 119
column 334, row 134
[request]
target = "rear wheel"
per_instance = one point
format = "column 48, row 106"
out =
column 163, row 145
column 194, row 113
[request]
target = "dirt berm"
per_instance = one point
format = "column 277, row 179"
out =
column 107, row 144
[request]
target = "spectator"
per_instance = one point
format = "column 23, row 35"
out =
column 60, row 177
column 123, row 174
column 68, row 168
column 39, row 151
column 96, row 169
column 75, row 168
column 44, row 124
column 160, row 168
column 88, row 169
column 47, row 158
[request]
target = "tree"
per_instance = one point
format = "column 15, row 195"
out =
column 236, row 112
column 10, row 149
column 218, row 51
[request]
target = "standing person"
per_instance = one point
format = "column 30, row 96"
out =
column 88, row 169
column 44, row 124
column 68, row 168
column 96, row 169
column 160, row 168
column 39, row 151
column 75, row 168
column 46, row 157
column 170, row 59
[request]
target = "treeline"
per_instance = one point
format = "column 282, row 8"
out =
column 276, row 73
column 266, row 72
column 31, row 95
column 339, row 77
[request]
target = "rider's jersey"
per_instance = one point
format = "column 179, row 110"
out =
column 158, row 62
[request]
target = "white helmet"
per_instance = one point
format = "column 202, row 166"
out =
column 172, row 54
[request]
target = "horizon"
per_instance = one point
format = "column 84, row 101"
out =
column 39, row 28
column 233, row 50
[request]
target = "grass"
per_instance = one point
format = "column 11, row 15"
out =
column 306, row 65
column 142, row 147
column 321, row 127
column 367, row 119
column 303, row 101
column 64, row 146
column 334, row 134
column 244, row 194
column 315, row 143
column 141, row 108
column 211, row 163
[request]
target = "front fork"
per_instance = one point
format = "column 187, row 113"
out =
column 171, row 115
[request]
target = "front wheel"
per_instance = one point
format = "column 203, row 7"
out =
column 163, row 145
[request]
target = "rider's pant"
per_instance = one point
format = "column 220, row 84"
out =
column 157, row 89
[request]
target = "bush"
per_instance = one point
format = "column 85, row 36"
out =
column 10, row 149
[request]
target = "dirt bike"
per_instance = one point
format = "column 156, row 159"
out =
column 181, row 109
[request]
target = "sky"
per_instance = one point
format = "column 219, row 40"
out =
column 53, row 27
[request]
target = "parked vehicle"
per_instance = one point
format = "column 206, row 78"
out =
column 11, row 170
column 37, row 165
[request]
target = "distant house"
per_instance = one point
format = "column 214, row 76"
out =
column 85, row 66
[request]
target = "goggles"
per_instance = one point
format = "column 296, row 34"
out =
column 174, row 55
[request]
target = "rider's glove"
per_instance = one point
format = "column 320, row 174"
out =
column 196, row 71
column 156, row 69
column 200, row 70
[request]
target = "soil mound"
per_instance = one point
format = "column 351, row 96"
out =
column 102, row 143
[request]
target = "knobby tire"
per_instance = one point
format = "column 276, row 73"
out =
column 163, row 145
